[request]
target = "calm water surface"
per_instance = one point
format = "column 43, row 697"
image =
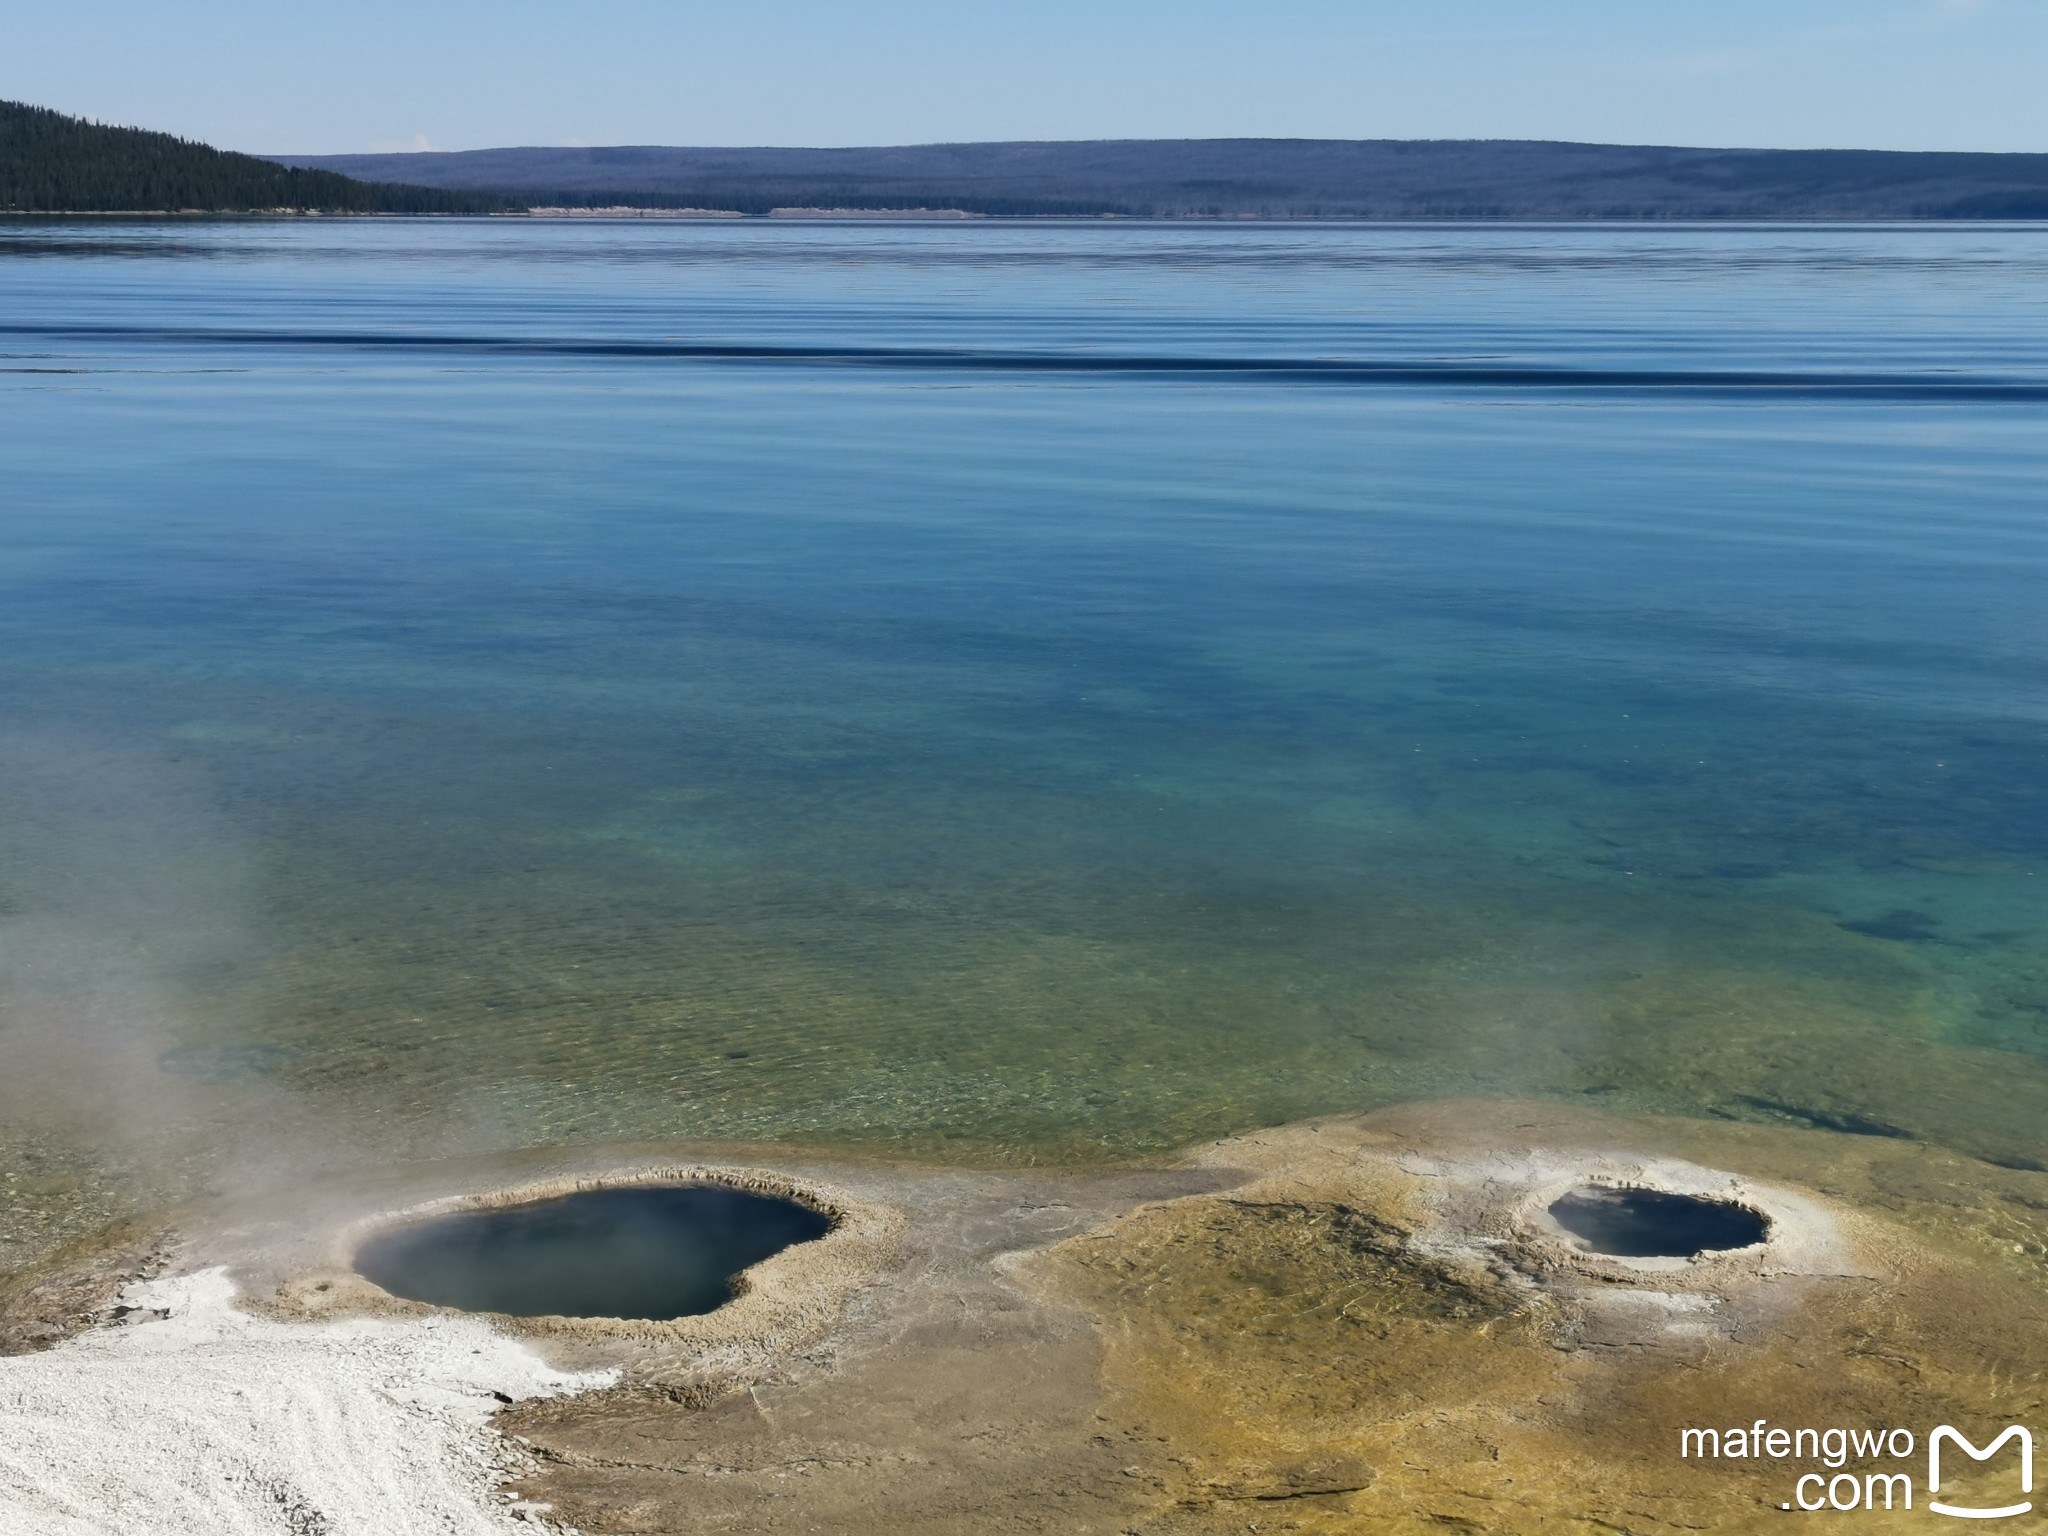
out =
column 1007, row 692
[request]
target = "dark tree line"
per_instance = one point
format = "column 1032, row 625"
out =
column 51, row 163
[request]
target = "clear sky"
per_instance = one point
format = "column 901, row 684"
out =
column 295, row 75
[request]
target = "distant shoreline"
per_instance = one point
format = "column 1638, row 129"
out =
column 1094, row 220
column 1310, row 180
column 55, row 165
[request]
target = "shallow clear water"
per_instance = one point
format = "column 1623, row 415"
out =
column 1009, row 692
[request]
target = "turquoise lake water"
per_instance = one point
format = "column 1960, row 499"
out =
column 1015, row 692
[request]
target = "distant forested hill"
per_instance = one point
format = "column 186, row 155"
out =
column 1259, row 178
column 50, row 163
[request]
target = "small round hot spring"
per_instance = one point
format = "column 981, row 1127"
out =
column 1652, row 1224
column 646, row 1251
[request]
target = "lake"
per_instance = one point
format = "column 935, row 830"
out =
column 1009, row 693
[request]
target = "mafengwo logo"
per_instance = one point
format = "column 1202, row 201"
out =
column 1992, row 1493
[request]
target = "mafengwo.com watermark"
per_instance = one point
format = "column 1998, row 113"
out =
column 1944, row 1472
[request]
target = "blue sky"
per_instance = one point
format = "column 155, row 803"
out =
column 461, row 74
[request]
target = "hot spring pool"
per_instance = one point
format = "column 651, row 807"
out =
column 646, row 1252
column 1651, row 1223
